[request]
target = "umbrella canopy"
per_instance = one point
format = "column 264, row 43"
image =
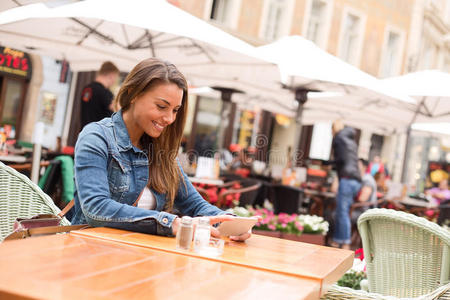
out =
column 361, row 100
column 303, row 64
column 89, row 32
column 376, row 116
column 431, row 88
column 441, row 128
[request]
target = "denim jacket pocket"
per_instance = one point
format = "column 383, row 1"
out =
column 119, row 178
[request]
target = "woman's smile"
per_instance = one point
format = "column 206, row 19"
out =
column 158, row 126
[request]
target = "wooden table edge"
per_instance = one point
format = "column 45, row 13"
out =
column 193, row 254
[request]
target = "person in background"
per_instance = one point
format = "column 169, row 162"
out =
column 226, row 157
column 441, row 193
column 346, row 160
column 368, row 191
column 376, row 166
column 96, row 98
column 126, row 172
column 381, row 180
column 242, row 164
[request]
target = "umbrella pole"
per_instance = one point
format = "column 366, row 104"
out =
column 225, row 95
column 408, row 141
column 301, row 97
column 224, row 123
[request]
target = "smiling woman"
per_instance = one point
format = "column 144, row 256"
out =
column 126, row 172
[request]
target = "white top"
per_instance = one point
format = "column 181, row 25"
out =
column 147, row 200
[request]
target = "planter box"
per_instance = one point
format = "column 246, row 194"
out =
column 317, row 239
column 276, row 234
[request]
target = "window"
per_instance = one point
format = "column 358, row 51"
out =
column 321, row 141
column 316, row 21
column 429, row 52
column 220, row 10
column 244, row 123
column 275, row 15
column 447, row 65
column 391, row 57
column 447, row 12
column 207, row 125
column 350, row 38
column 11, row 101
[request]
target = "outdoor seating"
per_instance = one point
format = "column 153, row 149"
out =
column 251, row 188
column 57, row 181
column 444, row 213
column 287, row 199
column 356, row 210
column 406, row 256
column 21, row 198
column 247, row 192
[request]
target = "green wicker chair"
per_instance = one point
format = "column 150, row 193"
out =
column 20, row 197
column 406, row 256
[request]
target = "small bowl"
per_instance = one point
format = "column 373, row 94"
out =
column 214, row 248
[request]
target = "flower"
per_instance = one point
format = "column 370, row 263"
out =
column 356, row 277
column 293, row 224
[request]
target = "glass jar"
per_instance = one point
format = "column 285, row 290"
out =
column 202, row 234
column 184, row 233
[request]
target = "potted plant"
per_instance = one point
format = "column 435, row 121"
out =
column 303, row 228
column 356, row 277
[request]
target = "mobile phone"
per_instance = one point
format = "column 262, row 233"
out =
column 237, row 226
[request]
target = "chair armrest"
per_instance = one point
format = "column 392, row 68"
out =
column 338, row 292
column 228, row 184
column 242, row 190
column 27, row 166
column 235, row 191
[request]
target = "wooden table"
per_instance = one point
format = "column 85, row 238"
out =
column 321, row 201
column 103, row 263
column 13, row 158
column 418, row 203
column 311, row 192
column 323, row 264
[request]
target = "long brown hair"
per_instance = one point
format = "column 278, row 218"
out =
column 163, row 168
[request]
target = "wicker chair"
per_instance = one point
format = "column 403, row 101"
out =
column 19, row 197
column 406, row 256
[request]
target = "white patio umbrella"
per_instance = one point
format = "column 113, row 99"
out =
column 440, row 128
column 89, row 32
column 431, row 88
column 376, row 116
column 305, row 66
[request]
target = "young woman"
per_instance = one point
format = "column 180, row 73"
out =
column 126, row 172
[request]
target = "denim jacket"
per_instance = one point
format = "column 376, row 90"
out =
column 110, row 173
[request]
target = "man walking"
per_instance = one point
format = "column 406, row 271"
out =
column 346, row 158
column 96, row 98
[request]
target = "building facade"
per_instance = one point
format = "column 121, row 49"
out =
column 383, row 38
column 33, row 88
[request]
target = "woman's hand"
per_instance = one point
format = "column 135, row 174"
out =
column 242, row 237
column 217, row 219
column 212, row 219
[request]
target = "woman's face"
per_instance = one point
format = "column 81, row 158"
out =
column 157, row 108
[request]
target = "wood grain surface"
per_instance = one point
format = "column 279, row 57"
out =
column 69, row 266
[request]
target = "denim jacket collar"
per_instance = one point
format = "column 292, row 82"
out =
column 121, row 132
